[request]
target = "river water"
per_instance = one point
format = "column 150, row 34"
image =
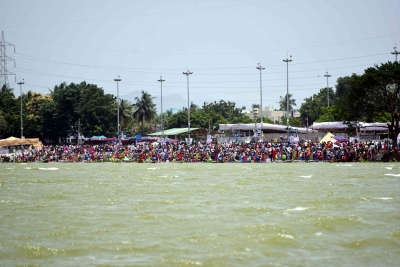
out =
column 200, row 214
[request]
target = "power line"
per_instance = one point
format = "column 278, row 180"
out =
column 141, row 15
column 211, row 53
column 156, row 71
column 132, row 82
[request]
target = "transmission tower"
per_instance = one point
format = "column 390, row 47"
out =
column 4, row 72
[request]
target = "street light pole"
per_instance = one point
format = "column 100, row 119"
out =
column 259, row 67
column 287, row 93
column 187, row 73
column 395, row 53
column 162, row 124
column 20, row 93
column 119, row 127
column 327, row 85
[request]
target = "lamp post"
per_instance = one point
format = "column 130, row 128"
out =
column 259, row 67
column 395, row 53
column 187, row 73
column 327, row 85
column 287, row 93
column 20, row 93
column 162, row 124
column 119, row 127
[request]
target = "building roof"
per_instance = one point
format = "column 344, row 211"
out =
column 173, row 131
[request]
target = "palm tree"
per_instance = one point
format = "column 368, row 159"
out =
column 144, row 109
column 125, row 114
column 283, row 103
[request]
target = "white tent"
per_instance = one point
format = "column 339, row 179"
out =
column 263, row 126
column 327, row 138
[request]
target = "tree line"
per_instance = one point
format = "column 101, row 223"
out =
column 373, row 96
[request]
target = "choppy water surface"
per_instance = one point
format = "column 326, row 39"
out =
column 130, row 214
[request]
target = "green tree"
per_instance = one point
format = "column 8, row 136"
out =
column 313, row 107
column 3, row 122
column 283, row 102
column 33, row 121
column 125, row 114
column 375, row 95
column 227, row 110
column 48, row 121
column 10, row 108
column 67, row 99
column 177, row 120
column 97, row 111
column 343, row 87
column 144, row 109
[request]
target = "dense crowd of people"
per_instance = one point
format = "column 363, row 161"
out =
column 203, row 152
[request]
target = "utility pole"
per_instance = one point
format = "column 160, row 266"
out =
column 119, row 127
column 162, row 124
column 187, row 73
column 287, row 93
column 395, row 53
column 327, row 85
column 20, row 95
column 4, row 73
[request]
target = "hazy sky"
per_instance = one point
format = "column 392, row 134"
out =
column 220, row 41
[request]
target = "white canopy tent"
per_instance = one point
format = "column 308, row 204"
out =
column 340, row 126
column 263, row 126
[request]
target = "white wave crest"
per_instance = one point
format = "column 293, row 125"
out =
column 391, row 174
column 305, row 176
column 286, row 236
column 49, row 169
column 298, row 209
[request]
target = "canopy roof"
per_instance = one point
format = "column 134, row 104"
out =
column 173, row 131
column 263, row 126
column 338, row 125
column 14, row 141
column 101, row 138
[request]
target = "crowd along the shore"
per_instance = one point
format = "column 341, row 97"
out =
column 203, row 152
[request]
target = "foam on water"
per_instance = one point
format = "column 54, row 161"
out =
column 391, row 174
column 286, row 236
column 389, row 168
column 49, row 169
column 298, row 209
column 383, row 198
column 344, row 165
column 305, row 176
